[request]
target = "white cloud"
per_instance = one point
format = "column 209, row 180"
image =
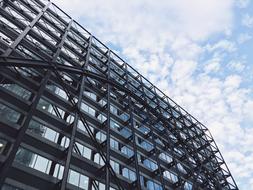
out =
column 236, row 66
column 247, row 21
column 181, row 47
column 182, row 70
column 232, row 82
column 244, row 37
column 242, row 3
column 212, row 66
column 222, row 45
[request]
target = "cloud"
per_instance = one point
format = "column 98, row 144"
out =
column 232, row 82
column 244, row 37
column 242, row 3
column 222, row 45
column 247, row 20
column 212, row 65
column 236, row 66
column 183, row 70
column 181, row 46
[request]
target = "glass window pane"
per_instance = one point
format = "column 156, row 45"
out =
column 58, row 171
column 3, row 144
column 25, row 157
column 8, row 114
column 42, row 164
column 73, row 177
column 84, row 182
column 18, row 90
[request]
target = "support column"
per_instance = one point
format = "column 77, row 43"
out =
column 108, row 132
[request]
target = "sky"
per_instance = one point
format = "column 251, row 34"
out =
column 197, row 51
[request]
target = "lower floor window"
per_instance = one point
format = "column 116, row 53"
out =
column 33, row 160
column 77, row 179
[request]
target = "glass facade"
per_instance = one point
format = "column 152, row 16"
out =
column 74, row 115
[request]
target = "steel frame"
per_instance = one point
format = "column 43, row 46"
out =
column 39, row 37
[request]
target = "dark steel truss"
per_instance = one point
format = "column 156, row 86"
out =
column 41, row 46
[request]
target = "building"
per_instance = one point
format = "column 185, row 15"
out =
column 74, row 115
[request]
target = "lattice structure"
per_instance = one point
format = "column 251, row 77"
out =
column 74, row 115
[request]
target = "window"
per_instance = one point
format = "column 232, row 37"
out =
column 18, row 90
column 58, row 171
column 58, row 91
column 125, row 132
column 191, row 159
column 83, row 150
column 101, row 118
column 54, row 110
column 129, row 174
column 65, row 142
column 144, row 144
column 142, row 129
column 91, row 95
column 179, row 152
column 159, row 126
column 114, row 144
column 43, row 131
column 166, row 157
column 33, row 160
column 113, row 110
column 124, row 117
column 149, row 164
column 157, row 140
column 8, row 114
column 3, row 144
column 98, row 159
column 114, row 125
column 127, row 151
column 82, row 127
column 153, row 186
column 187, row 186
column 175, row 113
column 100, row 136
column 98, row 185
column 78, row 179
column 181, row 168
column 170, row 176
column 115, row 166
column 88, row 109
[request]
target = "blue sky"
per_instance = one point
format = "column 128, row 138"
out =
column 199, row 52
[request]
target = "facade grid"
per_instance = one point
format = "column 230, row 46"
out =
column 74, row 115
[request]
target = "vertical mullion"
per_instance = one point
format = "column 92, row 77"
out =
column 108, row 132
column 133, row 132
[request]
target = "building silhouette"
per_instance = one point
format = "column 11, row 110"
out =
column 74, row 115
